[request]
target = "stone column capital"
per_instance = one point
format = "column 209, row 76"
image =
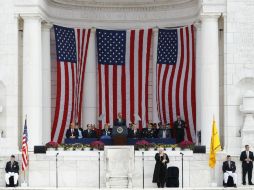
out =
column 210, row 16
column 31, row 16
column 93, row 30
column 46, row 25
column 198, row 24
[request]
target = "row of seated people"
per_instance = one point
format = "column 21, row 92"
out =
column 152, row 131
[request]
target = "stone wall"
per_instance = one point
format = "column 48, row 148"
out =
column 9, row 74
column 239, row 67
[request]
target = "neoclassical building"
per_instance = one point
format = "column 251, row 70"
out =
column 224, row 63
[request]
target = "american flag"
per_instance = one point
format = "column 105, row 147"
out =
column 176, row 77
column 123, row 71
column 24, row 148
column 71, row 46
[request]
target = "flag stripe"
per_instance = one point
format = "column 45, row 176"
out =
column 87, row 37
column 140, row 63
column 115, row 76
column 193, row 80
column 123, row 91
column 73, row 89
column 149, row 40
column 132, row 92
column 66, row 102
column 57, row 110
column 100, row 94
column 62, row 101
column 106, row 93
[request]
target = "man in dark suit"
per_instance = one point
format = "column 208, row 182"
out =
column 247, row 158
column 89, row 132
column 72, row 132
column 119, row 121
column 164, row 132
column 179, row 127
column 12, row 169
column 229, row 169
column 149, row 132
column 106, row 132
column 134, row 132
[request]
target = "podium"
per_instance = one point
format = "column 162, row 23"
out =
column 119, row 135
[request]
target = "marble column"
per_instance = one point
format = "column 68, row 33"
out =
column 32, row 79
column 90, row 83
column 209, row 77
column 46, row 83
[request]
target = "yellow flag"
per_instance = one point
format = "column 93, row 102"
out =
column 214, row 146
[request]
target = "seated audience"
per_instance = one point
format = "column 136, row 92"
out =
column 106, row 132
column 229, row 169
column 12, row 169
column 119, row 121
column 72, row 132
column 134, row 132
column 89, row 132
column 149, row 132
column 164, row 132
column 179, row 127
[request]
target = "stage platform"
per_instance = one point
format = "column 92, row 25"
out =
column 68, row 188
column 80, row 169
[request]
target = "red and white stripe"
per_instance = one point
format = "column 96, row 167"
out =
column 70, row 80
column 176, row 84
column 24, row 152
column 124, row 88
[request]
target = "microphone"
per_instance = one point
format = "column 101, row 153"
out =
column 57, row 154
column 181, row 153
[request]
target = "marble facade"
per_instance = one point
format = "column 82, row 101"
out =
column 225, row 76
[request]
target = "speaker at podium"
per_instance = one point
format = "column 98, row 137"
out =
column 119, row 132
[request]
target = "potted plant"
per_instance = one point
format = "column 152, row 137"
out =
column 167, row 147
column 51, row 146
column 151, row 147
column 67, row 147
column 60, row 147
column 98, row 145
column 186, row 145
column 77, row 146
column 86, row 147
column 173, row 147
column 159, row 146
column 142, row 145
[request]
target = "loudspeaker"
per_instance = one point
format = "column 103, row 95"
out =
column 39, row 149
column 199, row 149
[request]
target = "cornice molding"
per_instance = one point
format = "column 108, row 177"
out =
column 97, row 13
column 116, row 4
